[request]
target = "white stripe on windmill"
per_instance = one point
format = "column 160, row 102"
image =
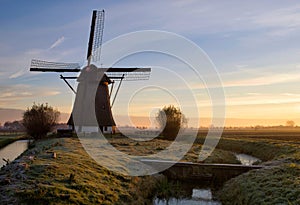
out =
column 92, row 77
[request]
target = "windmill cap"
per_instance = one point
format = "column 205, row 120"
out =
column 93, row 74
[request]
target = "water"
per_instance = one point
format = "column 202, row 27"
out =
column 188, row 192
column 199, row 196
column 247, row 159
column 202, row 195
column 12, row 151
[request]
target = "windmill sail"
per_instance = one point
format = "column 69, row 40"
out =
column 46, row 66
column 96, row 34
column 128, row 74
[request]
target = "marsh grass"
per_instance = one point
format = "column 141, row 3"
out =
column 166, row 189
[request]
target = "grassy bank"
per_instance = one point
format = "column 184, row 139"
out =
column 7, row 138
column 265, row 145
column 70, row 178
column 278, row 183
column 217, row 156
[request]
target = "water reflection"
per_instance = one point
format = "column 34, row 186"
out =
column 202, row 194
column 199, row 196
column 186, row 192
column 247, row 159
column 197, row 193
column 12, row 151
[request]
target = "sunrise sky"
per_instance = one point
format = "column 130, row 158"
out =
column 254, row 46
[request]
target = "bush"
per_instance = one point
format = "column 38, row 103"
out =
column 170, row 120
column 39, row 120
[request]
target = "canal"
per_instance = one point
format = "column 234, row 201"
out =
column 201, row 192
column 12, row 151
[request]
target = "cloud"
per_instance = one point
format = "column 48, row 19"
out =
column 18, row 64
column 57, row 42
column 288, row 17
column 281, row 32
column 256, row 94
column 261, row 75
column 241, row 66
column 257, row 99
column 200, row 17
column 19, row 73
column 15, row 94
column 264, row 80
column 253, row 76
column 271, row 27
column 263, row 99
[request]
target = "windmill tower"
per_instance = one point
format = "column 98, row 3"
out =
column 93, row 77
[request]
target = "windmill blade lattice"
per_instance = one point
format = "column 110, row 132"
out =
column 96, row 34
column 128, row 74
column 46, row 66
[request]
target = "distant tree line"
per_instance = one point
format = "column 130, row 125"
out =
column 37, row 121
column 16, row 125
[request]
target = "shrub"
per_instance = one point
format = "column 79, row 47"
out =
column 170, row 120
column 39, row 120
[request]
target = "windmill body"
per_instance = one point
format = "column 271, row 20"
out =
column 93, row 83
column 93, row 89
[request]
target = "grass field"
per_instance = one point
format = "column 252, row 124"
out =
column 73, row 177
column 145, row 148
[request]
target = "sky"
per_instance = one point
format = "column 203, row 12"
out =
column 253, row 46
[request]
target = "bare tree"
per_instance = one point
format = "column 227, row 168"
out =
column 39, row 120
column 170, row 119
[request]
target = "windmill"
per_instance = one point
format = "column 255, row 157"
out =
column 91, row 75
